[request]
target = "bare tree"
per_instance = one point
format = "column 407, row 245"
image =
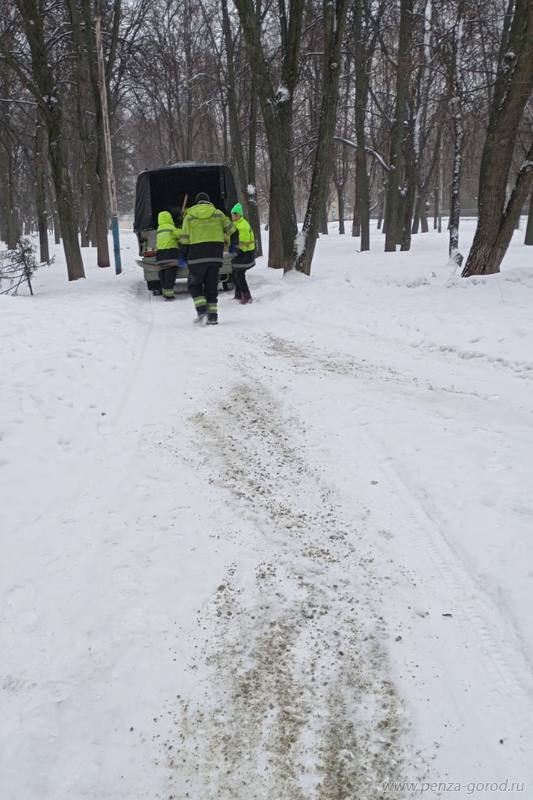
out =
column 277, row 107
column 334, row 16
column 514, row 83
column 41, row 81
column 456, row 105
column 396, row 189
column 248, row 196
column 40, row 188
column 364, row 46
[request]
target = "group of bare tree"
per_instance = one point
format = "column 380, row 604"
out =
column 394, row 109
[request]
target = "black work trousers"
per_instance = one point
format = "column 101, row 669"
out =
column 167, row 277
column 202, row 284
column 241, row 284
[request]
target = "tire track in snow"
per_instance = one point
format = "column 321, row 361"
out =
column 437, row 543
column 297, row 702
column 307, row 359
column 504, row 657
column 452, row 354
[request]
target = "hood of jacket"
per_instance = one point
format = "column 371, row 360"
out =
column 202, row 210
column 165, row 218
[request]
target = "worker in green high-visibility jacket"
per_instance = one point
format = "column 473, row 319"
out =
column 202, row 248
column 245, row 258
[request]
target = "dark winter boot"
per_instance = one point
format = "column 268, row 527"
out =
column 157, row 292
column 201, row 316
column 212, row 318
column 246, row 298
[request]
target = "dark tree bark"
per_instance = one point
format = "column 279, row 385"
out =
column 512, row 89
column 418, row 186
column 85, row 157
column 356, row 218
column 97, row 175
column 234, row 126
column 243, row 172
column 11, row 229
column 40, row 190
column 43, row 86
column 277, row 108
column 57, row 228
column 334, row 16
column 529, row 230
column 361, row 219
column 407, row 205
column 458, row 137
column 324, row 219
column 251, row 188
column 395, row 188
column 439, row 181
column 416, row 217
column 340, row 204
column 342, row 161
column 422, row 202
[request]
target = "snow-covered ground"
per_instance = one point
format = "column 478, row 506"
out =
column 288, row 558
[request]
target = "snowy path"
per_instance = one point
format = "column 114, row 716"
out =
column 272, row 573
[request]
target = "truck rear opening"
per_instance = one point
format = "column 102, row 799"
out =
column 174, row 189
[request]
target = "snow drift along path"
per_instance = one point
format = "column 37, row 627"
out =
column 284, row 558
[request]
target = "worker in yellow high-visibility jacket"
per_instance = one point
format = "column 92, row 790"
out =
column 201, row 249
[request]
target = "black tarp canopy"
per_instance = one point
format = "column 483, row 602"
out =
column 164, row 189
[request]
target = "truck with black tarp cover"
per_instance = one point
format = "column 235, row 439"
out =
column 173, row 189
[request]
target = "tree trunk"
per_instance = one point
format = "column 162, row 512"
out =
column 416, row 217
column 381, row 209
column 85, row 208
column 47, row 97
column 11, row 223
column 356, row 218
column 40, row 190
column 334, row 16
column 514, row 83
column 394, row 202
column 362, row 187
column 277, row 107
column 420, row 219
column 409, row 193
column 57, row 228
column 324, row 219
column 458, row 137
column 340, row 203
column 437, row 191
column 529, row 230
column 98, row 173
column 436, row 197
column 251, row 188
column 245, row 175
column 455, row 196
column 423, row 205
column 235, row 128
column 64, row 197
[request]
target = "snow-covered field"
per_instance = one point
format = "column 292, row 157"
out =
column 288, row 558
